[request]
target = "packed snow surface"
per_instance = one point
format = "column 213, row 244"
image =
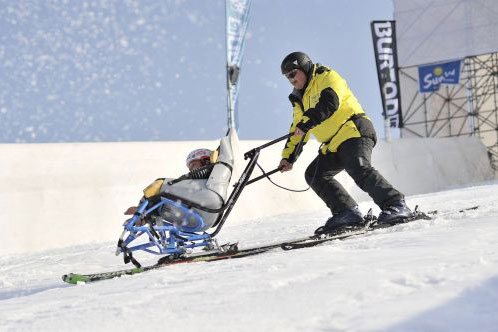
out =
column 436, row 275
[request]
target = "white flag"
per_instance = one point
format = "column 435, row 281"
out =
column 237, row 18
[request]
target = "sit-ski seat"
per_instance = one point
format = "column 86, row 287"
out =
column 209, row 193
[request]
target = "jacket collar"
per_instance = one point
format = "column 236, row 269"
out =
column 297, row 95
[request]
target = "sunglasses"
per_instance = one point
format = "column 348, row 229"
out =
column 291, row 75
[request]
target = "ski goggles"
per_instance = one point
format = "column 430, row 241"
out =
column 290, row 75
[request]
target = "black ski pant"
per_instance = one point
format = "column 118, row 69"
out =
column 354, row 156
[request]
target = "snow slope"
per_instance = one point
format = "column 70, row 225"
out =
column 438, row 275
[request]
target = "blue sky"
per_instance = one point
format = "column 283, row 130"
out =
column 155, row 70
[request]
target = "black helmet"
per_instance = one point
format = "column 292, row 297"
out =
column 296, row 60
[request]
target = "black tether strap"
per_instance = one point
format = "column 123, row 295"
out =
column 288, row 189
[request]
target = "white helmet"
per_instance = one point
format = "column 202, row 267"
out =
column 198, row 154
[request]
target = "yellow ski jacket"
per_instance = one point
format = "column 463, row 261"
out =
column 327, row 109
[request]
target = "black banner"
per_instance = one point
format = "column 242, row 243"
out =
column 384, row 41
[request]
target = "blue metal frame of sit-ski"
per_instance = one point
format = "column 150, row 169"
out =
column 168, row 239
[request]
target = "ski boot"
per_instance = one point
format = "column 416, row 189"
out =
column 396, row 213
column 344, row 220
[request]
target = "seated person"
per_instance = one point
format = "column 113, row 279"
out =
column 198, row 162
column 205, row 186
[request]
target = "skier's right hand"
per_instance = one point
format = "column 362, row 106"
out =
column 285, row 165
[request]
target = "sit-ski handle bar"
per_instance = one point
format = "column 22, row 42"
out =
column 253, row 151
column 243, row 181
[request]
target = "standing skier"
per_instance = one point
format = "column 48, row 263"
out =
column 325, row 107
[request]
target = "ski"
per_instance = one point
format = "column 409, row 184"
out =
column 318, row 239
column 338, row 234
column 342, row 235
column 231, row 253
column 371, row 225
column 75, row 278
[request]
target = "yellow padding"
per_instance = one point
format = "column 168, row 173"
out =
column 153, row 188
column 214, row 156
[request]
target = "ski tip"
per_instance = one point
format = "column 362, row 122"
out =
column 67, row 277
column 73, row 279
